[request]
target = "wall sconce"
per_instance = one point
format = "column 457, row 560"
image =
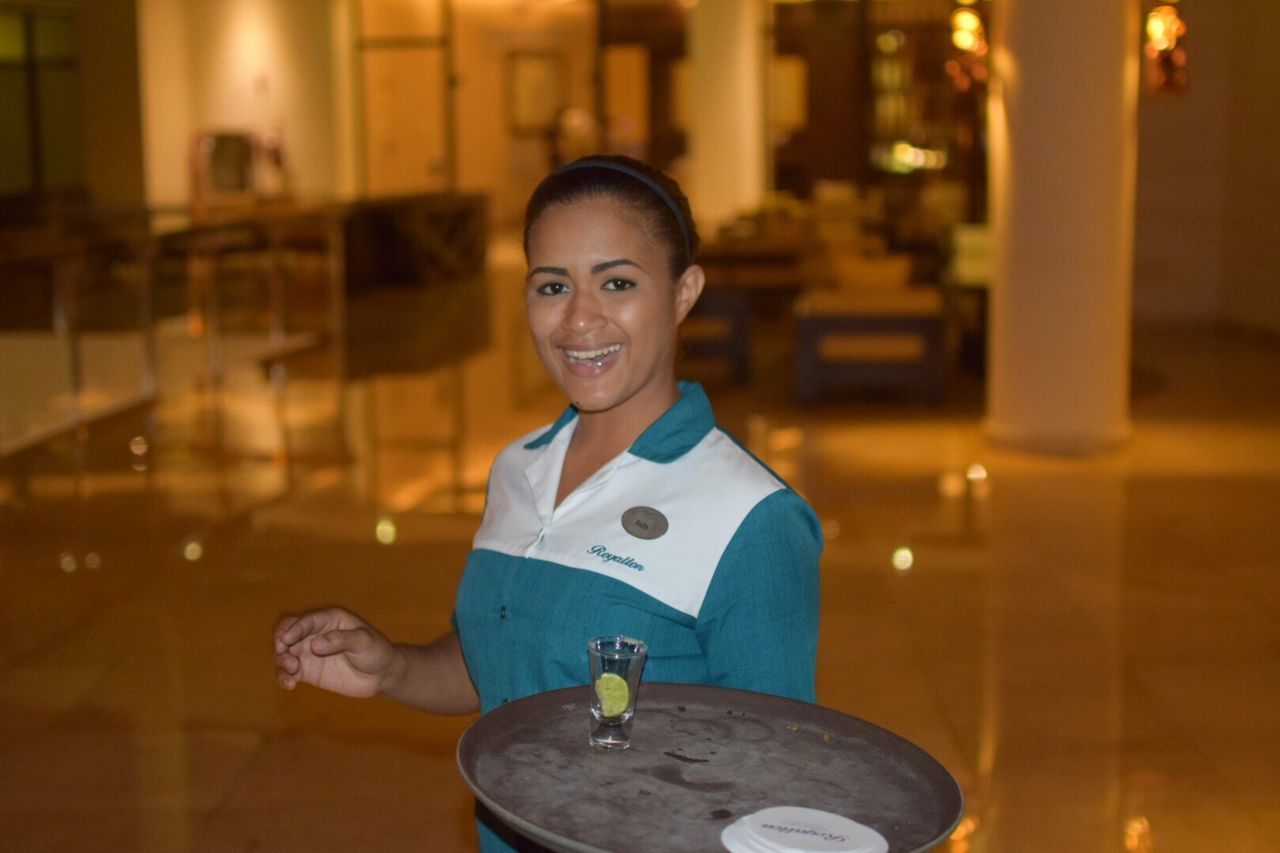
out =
column 969, row 36
column 1164, row 55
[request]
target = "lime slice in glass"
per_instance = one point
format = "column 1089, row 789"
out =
column 612, row 690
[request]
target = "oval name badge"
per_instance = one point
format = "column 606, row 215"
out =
column 644, row 522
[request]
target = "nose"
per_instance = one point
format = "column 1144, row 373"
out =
column 585, row 311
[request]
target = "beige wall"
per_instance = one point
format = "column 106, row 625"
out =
column 1178, row 228
column 255, row 65
column 1209, row 176
column 1251, row 241
column 267, row 67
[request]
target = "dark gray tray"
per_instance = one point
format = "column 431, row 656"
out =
column 701, row 757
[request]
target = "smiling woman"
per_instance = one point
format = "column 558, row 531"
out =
column 633, row 513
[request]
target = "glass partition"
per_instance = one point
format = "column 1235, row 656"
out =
column 75, row 341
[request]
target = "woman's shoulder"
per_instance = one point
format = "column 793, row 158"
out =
column 724, row 462
column 776, row 504
column 728, row 490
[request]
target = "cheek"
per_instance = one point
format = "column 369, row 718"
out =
column 540, row 333
column 540, row 317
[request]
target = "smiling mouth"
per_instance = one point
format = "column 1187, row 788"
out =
column 594, row 357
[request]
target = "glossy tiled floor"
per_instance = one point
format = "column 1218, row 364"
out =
column 1092, row 646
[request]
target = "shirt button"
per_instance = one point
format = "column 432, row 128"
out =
column 502, row 612
column 505, row 701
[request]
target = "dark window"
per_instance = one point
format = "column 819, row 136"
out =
column 40, row 133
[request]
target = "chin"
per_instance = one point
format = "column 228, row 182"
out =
column 595, row 401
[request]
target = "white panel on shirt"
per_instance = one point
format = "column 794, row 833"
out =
column 705, row 495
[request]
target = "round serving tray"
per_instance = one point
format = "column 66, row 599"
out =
column 700, row 758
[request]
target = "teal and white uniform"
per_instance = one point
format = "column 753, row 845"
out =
column 728, row 595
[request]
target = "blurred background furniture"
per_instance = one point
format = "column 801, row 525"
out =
column 843, row 213
column 966, row 281
column 755, row 265
column 719, row 329
column 236, row 169
column 863, row 324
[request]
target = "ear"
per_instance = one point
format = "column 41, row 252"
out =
column 688, row 289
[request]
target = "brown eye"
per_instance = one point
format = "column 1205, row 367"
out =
column 552, row 288
column 619, row 284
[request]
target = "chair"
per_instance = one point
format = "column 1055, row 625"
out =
column 866, row 326
column 843, row 213
column 755, row 259
column 232, row 170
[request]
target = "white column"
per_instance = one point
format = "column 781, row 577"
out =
column 1063, row 148
column 166, row 92
column 348, row 144
column 726, row 130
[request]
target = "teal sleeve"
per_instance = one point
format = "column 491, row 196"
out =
column 758, row 625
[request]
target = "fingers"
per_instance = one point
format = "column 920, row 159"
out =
column 291, row 629
column 287, row 637
column 288, row 668
column 355, row 640
column 282, row 630
column 294, row 642
column 303, row 643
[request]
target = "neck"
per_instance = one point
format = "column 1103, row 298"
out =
column 612, row 431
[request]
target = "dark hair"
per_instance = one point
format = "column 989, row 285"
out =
column 631, row 182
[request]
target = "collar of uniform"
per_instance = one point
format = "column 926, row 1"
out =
column 680, row 428
column 668, row 438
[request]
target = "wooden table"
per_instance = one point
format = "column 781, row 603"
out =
column 701, row 757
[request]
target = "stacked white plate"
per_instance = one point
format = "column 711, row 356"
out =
column 791, row 829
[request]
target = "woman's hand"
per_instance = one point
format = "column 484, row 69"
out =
column 335, row 650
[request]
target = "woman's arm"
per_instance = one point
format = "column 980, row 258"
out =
column 434, row 678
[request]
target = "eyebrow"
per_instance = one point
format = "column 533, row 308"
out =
column 620, row 262
column 598, row 268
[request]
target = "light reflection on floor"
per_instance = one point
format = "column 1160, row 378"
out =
column 1092, row 646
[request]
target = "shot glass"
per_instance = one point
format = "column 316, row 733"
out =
column 616, row 664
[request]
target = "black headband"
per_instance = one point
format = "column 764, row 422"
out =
column 589, row 163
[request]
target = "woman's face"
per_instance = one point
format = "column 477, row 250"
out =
column 603, row 308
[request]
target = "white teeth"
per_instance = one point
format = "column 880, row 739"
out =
column 588, row 355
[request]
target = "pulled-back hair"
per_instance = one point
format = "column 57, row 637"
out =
column 631, row 182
